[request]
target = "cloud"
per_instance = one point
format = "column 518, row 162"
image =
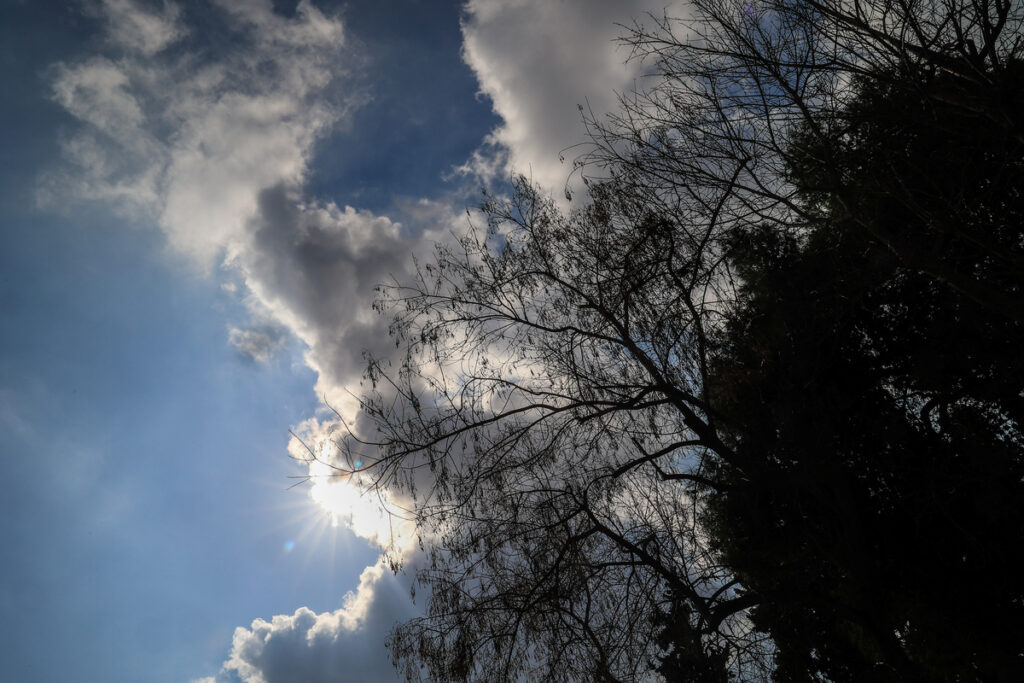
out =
column 537, row 61
column 97, row 92
column 258, row 344
column 338, row 485
column 190, row 139
column 213, row 145
column 142, row 29
column 310, row 28
column 314, row 267
column 342, row 646
column 215, row 150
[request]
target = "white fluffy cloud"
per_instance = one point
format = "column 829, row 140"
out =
column 214, row 146
column 342, row 646
column 190, row 140
column 538, row 61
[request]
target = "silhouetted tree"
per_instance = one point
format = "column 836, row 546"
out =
column 754, row 410
column 552, row 392
column 880, row 522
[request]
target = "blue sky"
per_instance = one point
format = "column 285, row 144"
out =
column 196, row 201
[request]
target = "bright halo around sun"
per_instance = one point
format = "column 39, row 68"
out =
column 371, row 515
column 364, row 512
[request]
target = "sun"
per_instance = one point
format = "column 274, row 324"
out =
column 372, row 514
column 365, row 513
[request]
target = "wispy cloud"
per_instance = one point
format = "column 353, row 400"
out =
column 142, row 29
column 258, row 343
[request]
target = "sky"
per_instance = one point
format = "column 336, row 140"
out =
column 197, row 199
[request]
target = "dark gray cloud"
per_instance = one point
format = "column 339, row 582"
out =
column 314, row 268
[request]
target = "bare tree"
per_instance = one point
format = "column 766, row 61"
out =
column 557, row 424
column 552, row 390
column 746, row 90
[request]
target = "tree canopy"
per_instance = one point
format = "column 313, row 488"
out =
column 753, row 408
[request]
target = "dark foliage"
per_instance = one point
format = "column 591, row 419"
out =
column 880, row 522
column 875, row 403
